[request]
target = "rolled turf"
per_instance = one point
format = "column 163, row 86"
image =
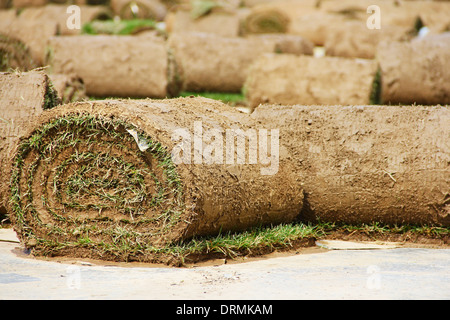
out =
column 289, row 79
column 116, row 66
column 97, row 179
column 416, row 71
column 103, row 179
column 223, row 67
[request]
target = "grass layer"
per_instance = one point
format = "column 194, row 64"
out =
column 66, row 215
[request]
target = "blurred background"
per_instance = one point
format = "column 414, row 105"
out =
column 243, row 52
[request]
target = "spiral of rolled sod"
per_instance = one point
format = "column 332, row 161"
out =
column 115, row 66
column 104, row 179
column 289, row 79
column 416, row 71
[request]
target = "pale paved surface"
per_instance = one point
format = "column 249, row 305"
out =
column 401, row 273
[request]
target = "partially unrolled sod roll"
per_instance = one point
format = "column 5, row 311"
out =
column 219, row 64
column 416, row 72
column 288, row 79
column 115, row 66
column 365, row 164
column 122, row 180
column 23, row 97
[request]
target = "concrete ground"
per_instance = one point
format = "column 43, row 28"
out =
column 352, row 272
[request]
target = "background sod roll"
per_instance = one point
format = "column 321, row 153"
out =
column 70, row 88
column 14, row 55
column 57, row 14
column 115, row 66
column 288, row 79
column 366, row 164
column 224, row 23
column 141, row 9
column 97, row 179
column 276, row 16
column 33, row 26
column 208, row 62
column 352, row 39
column 23, row 97
column 416, row 71
column 30, row 28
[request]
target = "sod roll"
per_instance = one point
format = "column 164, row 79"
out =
column 23, row 97
column 70, row 87
column 28, row 3
column 276, row 17
column 365, row 164
column 103, row 179
column 433, row 14
column 4, row 4
column 57, row 13
column 140, row 9
column 289, row 79
column 316, row 26
column 352, row 39
column 209, row 62
column 416, row 71
column 224, row 23
column 15, row 55
column 391, row 12
column 115, row 66
column 122, row 180
column 30, row 29
column 33, row 26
